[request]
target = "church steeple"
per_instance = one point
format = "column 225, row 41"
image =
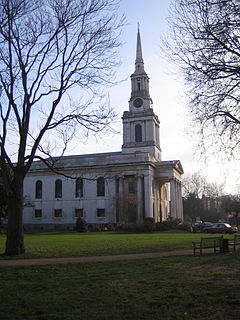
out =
column 140, row 97
column 140, row 124
column 139, row 64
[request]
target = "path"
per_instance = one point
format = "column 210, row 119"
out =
column 135, row 256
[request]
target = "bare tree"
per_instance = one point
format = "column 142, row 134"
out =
column 198, row 185
column 204, row 42
column 201, row 198
column 54, row 55
column 194, row 184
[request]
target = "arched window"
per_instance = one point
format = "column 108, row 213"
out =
column 100, row 187
column 79, row 188
column 138, row 84
column 138, row 133
column 38, row 189
column 58, row 188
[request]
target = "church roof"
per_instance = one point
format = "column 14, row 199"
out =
column 93, row 160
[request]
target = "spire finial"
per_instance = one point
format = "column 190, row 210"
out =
column 139, row 57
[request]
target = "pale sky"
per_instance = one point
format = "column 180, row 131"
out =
column 166, row 90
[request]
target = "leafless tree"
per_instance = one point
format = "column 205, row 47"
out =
column 55, row 56
column 198, row 185
column 201, row 198
column 204, row 41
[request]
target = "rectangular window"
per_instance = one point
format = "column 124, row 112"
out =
column 100, row 213
column 79, row 213
column 38, row 213
column 58, row 213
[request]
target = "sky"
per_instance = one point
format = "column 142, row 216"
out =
column 166, row 91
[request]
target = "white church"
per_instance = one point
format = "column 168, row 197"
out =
column 116, row 187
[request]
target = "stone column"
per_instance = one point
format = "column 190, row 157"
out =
column 144, row 130
column 176, row 206
column 158, row 202
column 139, row 198
column 121, row 185
column 154, row 202
column 177, row 198
column 180, row 204
column 132, row 132
column 148, row 196
column 173, row 202
column 120, row 199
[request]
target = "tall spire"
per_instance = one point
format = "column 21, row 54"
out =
column 139, row 64
column 140, row 80
column 140, row 124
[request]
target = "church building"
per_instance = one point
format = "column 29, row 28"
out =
column 115, row 187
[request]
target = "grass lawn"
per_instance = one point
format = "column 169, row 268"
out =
column 184, row 287
column 47, row 244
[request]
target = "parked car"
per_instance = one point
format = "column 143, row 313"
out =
column 199, row 225
column 220, row 228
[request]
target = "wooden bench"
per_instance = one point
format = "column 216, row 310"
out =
column 234, row 243
column 214, row 243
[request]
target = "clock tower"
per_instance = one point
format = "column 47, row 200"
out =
column 140, row 124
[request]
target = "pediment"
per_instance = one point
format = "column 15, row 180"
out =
column 179, row 167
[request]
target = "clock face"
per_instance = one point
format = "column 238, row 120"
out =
column 137, row 102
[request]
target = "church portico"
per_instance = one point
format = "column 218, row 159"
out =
column 152, row 196
column 170, row 172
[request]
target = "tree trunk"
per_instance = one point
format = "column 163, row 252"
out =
column 15, row 238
